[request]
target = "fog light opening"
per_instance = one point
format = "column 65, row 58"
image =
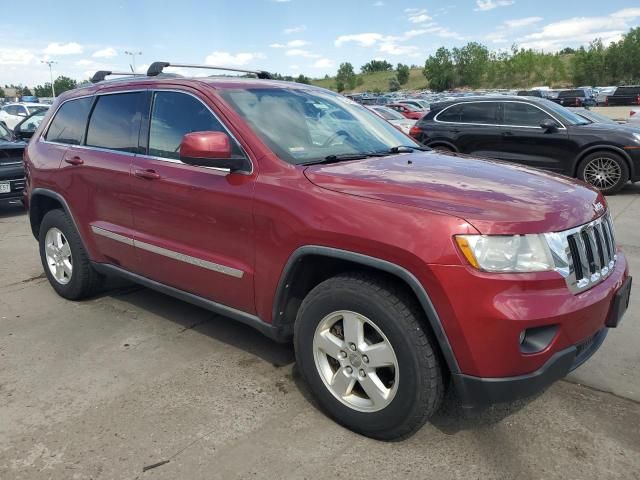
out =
column 537, row 339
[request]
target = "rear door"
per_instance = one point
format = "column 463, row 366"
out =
column 472, row 125
column 194, row 225
column 525, row 142
column 97, row 175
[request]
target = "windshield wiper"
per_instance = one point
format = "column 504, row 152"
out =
column 407, row 149
column 344, row 157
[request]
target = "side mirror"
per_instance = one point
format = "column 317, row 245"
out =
column 210, row 149
column 549, row 125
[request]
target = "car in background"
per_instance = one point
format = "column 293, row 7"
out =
column 627, row 95
column 415, row 102
column 634, row 117
column 575, row 98
column 592, row 116
column 408, row 111
column 537, row 133
column 11, row 167
column 602, row 93
column 530, row 93
column 394, row 118
column 13, row 113
column 25, row 129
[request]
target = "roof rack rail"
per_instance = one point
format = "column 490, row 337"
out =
column 156, row 68
column 100, row 75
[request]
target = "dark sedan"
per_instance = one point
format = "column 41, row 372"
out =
column 11, row 167
column 537, row 133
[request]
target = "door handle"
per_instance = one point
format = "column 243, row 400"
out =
column 507, row 134
column 147, row 174
column 74, row 160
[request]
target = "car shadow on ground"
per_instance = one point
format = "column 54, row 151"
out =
column 10, row 209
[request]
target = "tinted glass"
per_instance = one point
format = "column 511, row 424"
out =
column 389, row 114
column 115, row 122
column 11, row 110
column 451, row 114
column 522, row 114
column 627, row 91
column 571, row 93
column 481, row 112
column 174, row 115
column 69, row 123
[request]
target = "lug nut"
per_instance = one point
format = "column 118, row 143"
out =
column 365, row 359
column 362, row 373
column 343, row 354
column 349, row 370
column 352, row 346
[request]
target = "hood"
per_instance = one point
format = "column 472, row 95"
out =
column 495, row 197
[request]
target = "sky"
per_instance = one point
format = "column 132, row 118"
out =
column 286, row 36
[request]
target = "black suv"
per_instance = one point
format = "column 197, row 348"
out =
column 535, row 132
column 11, row 168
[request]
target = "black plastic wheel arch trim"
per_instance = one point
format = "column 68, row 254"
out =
column 56, row 196
column 224, row 310
column 376, row 263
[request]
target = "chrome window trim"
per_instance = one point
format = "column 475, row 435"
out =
column 181, row 257
column 435, row 119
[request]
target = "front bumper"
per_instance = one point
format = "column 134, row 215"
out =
column 477, row 392
column 14, row 174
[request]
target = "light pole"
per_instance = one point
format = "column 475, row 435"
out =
column 133, row 59
column 50, row 63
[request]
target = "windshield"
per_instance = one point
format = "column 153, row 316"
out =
column 566, row 116
column 36, row 109
column 389, row 114
column 306, row 126
column 31, row 123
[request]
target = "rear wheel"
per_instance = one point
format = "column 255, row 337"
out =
column 442, row 148
column 64, row 258
column 362, row 350
column 606, row 171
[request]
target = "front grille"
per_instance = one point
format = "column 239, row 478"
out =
column 585, row 255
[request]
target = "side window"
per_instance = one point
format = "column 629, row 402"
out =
column 523, row 115
column 481, row 112
column 174, row 115
column 115, row 122
column 70, row 121
column 451, row 114
column 11, row 110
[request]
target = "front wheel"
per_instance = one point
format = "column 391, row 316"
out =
column 606, row 171
column 362, row 350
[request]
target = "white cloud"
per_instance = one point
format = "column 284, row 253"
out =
column 379, row 3
column 504, row 32
column 323, row 63
column 522, row 22
column 299, row 52
column 85, row 63
column 71, row 48
column 297, row 29
column 226, row 58
column 391, row 48
column 484, row 5
column 417, row 15
column 291, row 44
column 16, row 56
column 362, row 39
column 627, row 13
column 105, row 53
column 281, row 1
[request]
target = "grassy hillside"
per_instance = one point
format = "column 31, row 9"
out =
column 379, row 81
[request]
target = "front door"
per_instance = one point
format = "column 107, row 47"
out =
column 194, row 225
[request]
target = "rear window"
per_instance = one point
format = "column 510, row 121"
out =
column 115, row 122
column 627, row 91
column 571, row 93
column 69, row 123
column 482, row 112
column 451, row 114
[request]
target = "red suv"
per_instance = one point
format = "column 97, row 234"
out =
column 397, row 271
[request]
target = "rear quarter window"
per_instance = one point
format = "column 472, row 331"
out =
column 69, row 122
column 452, row 114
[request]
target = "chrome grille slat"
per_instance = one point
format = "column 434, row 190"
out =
column 584, row 255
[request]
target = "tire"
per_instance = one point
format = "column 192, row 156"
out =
column 594, row 167
column 414, row 387
column 442, row 148
column 79, row 281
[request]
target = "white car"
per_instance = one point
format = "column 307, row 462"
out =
column 13, row 113
column 394, row 118
column 634, row 117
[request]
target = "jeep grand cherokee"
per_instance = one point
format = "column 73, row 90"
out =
column 397, row 271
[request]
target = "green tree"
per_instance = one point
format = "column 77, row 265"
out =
column 402, row 72
column 1, row 93
column 43, row 90
column 62, row 84
column 25, row 92
column 471, row 64
column 302, row 79
column 376, row 66
column 439, row 70
column 394, row 84
column 346, row 77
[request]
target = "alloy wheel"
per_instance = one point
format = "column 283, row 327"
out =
column 58, row 255
column 603, row 173
column 356, row 361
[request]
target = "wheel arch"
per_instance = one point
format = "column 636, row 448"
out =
column 325, row 262
column 43, row 200
column 606, row 148
column 442, row 143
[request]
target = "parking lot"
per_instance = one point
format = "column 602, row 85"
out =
column 132, row 378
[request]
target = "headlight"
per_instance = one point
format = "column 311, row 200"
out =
column 507, row 253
